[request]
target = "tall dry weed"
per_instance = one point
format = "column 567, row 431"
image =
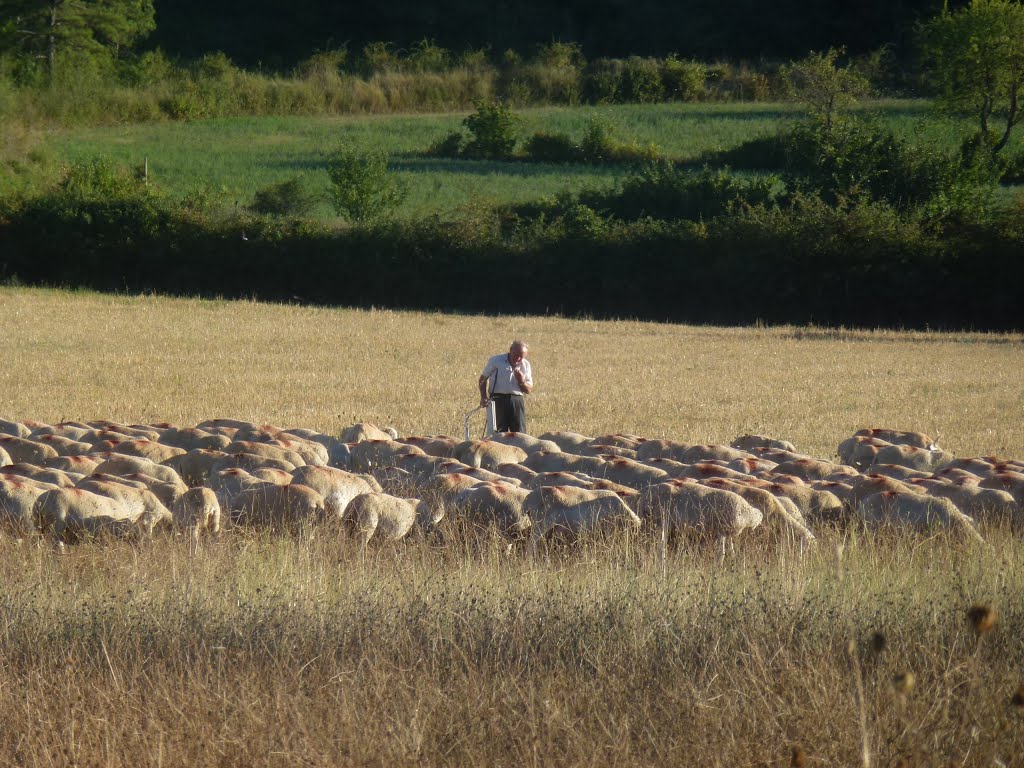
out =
column 261, row 647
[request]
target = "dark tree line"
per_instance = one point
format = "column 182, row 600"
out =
column 278, row 33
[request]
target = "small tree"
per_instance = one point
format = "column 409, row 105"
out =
column 976, row 62
column 825, row 88
column 493, row 127
column 362, row 187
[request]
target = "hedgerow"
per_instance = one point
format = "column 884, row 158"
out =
column 743, row 255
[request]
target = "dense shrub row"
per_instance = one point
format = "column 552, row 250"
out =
column 378, row 80
column 856, row 263
column 493, row 134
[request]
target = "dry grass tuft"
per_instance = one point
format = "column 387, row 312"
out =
column 1017, row 699
column 903, row 682
column 983, row 618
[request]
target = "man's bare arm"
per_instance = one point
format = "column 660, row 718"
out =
column 523, row 384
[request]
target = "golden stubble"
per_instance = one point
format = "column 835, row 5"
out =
column 75, row 355
column 266, row 650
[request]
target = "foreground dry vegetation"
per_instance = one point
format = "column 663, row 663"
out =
column 266, row 650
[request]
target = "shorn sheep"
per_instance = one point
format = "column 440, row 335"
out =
column 81, row 477
column 197, row 511
column 686, row 505
column 384, row 517
column 574, row 511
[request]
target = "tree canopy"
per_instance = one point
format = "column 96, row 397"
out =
column 49, row 29
column 975, row 58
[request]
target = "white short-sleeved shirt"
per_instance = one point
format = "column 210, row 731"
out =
column 502, row 380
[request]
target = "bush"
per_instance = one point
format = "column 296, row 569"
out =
column 427, row 56
column 493, row 130
column 551, row 77
column 285, row 198
column 859, row 263
column 662, row 191
column 378, row 57
column 584, row 223
column 109, row 202
column 1014, row 172
column 8, row 98
column 552, row 148
column 826, row 89
column 362, row 187
column 641, row 81
column 765, row 153
column 741, row 83
column 560, row 55
column 856, row 158
column 475, row 60
column 683, row 80
column 216, row 66
column 188, row 103
column 599, row 145
column 324, row 66
column 450, row 146
column 151, row 68
column 100, row 179
column 601, row 81
column 535, row 83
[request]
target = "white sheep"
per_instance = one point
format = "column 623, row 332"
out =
column 681, row 505
column 917, row 510
column 385, row 517
column 197, row 510
column 337, row 487
column 575, row 511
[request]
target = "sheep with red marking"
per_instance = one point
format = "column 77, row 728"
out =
column 574, row 512
column 919, row 511
column 686, row 505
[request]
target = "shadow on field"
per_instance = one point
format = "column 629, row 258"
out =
column 717, row 115
column 443, row 165
column 525, row 169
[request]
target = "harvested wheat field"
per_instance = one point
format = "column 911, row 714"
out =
column 143, row 359
column 870, row 645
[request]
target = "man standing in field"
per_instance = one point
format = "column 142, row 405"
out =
column 510, row 378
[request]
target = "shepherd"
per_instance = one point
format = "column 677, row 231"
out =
column 509, row 378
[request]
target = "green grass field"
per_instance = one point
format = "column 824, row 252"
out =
column 236, row 157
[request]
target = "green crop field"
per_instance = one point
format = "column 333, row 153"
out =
column 235, row 157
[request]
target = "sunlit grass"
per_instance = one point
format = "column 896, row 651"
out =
column 86, row 356
column 268, row 651
column 235, row 157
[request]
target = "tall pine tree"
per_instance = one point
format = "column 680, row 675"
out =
column 49, row 29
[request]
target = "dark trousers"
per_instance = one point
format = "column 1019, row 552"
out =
column 509, row 413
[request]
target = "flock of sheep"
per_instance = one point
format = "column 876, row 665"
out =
column 77, row 480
